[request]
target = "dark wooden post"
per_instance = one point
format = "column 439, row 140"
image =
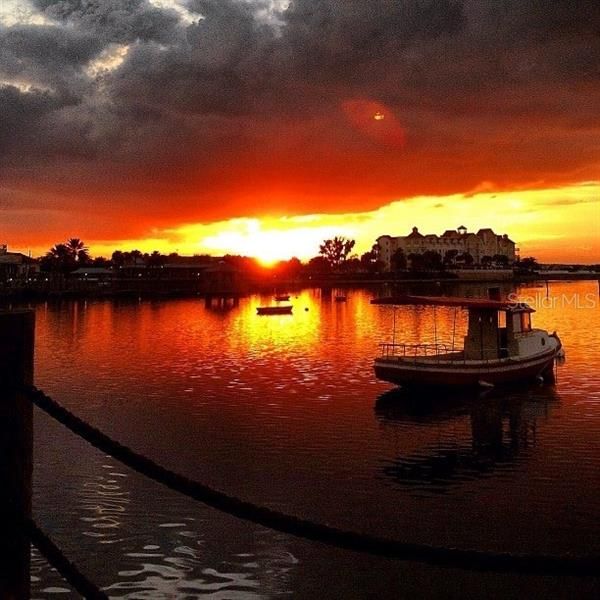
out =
column 16, row 450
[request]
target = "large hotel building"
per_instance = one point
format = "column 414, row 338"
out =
column 483, row 243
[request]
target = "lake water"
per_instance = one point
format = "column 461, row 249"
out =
column 284, row 411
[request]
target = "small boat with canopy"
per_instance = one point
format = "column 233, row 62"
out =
column 500, row 347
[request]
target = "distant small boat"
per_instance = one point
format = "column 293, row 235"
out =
column 274, row 310
column 282, row 298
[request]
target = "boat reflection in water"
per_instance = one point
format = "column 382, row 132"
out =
column 502, row 432
column 221, row 304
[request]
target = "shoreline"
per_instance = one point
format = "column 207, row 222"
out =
column 162, row 290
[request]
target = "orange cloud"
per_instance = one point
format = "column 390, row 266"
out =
column 555, row 225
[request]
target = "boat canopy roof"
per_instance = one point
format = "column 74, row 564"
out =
column 468, row 303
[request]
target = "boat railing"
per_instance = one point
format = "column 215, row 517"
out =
column 439, row 352
column 416, row 350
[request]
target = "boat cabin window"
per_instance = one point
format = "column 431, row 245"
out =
column 525, row 322
column 501, row 319
column 502, row 335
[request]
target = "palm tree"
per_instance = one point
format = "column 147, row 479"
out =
column 58, row 258
column 77, row 250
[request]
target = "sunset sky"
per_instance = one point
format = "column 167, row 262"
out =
column 263, row 126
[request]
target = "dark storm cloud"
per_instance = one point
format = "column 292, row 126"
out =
column 330, row 39
column 503, row 91
column 117, row 21
column 18, row 111
column 47, row 56
column 45, row 121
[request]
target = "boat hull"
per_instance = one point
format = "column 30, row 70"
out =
column 274, row 310
column 463, row 374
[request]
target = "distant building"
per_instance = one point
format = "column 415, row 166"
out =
column 483, row 243
column 202, row 274
column 15, row 266
column 89, row 273
column 176, row 267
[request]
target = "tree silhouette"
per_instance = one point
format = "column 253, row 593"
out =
column 369, row 261
column 156, row 259
column 450, row 256
column 102, row 262
column 352, row 264
column 77, row 250
column 318, row 265
column 66, row 257
column 135, row 256
column 118, row 258
column 336, row 251
column 58, row 258
column 292, row 267
column 528, row 264
column 398, row 260
column 466, row 258
column 430, row 260
column 486, row 261
column 501, row 260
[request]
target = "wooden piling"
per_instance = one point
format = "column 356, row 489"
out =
column 16, row 451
